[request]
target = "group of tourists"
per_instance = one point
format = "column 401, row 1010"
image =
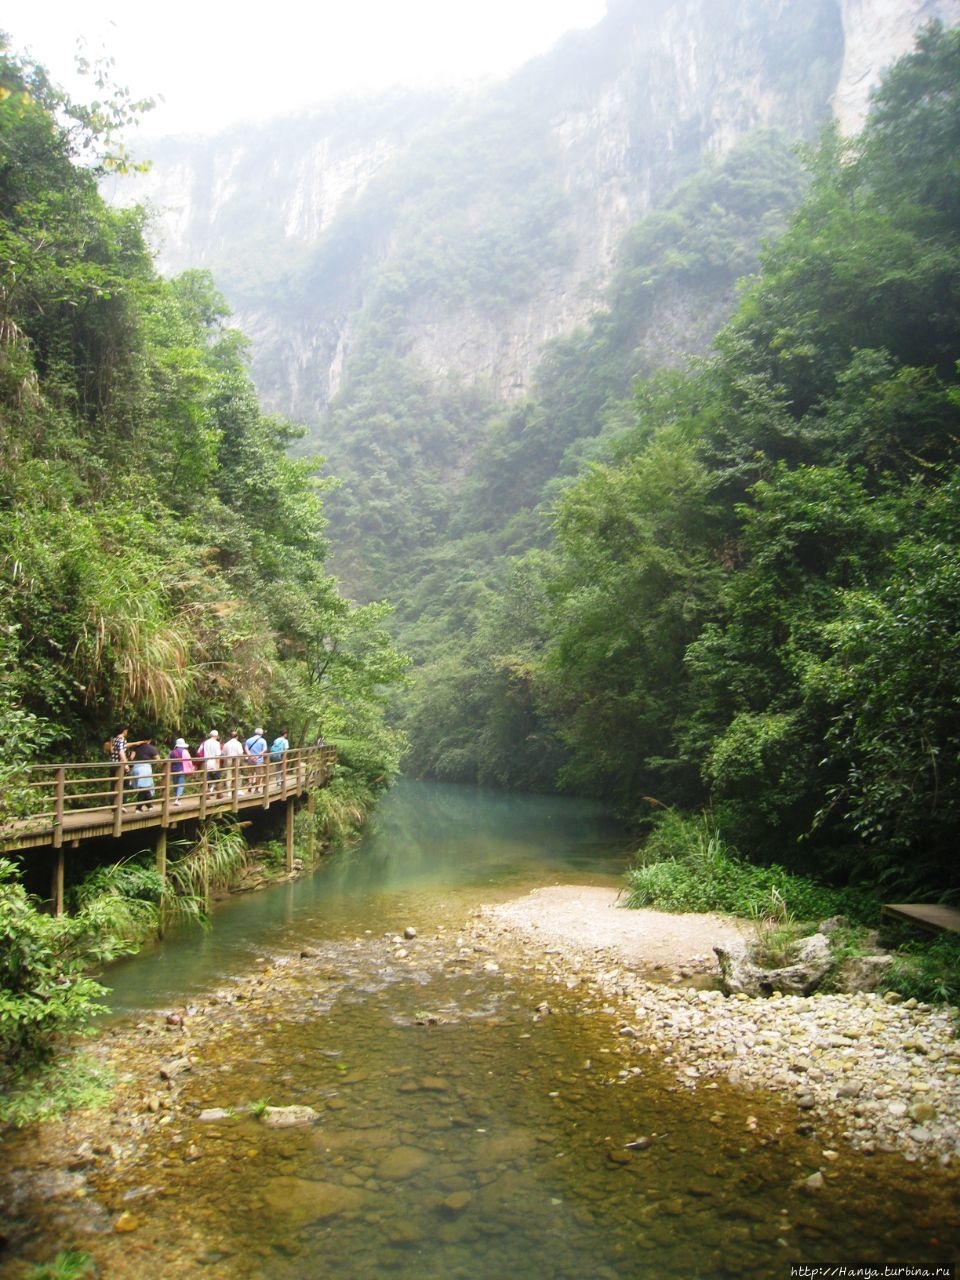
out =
column 219, row 763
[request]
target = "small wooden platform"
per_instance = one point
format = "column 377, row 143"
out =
column 927, row 915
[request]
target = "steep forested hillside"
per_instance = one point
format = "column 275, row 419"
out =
column 752, row 601
column 161, row 555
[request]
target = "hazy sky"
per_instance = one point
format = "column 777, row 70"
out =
column 215, row 63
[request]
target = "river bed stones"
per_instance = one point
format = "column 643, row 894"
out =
column 844, row 1057
column 290, row 1117
column 422, row 1150
column 886, row 1070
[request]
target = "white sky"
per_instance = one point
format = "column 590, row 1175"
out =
column 215, row 63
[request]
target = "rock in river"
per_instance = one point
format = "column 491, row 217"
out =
column 289, row 1117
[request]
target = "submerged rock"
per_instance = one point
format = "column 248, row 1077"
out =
column 288, row 1117
column 298, row 1201
column 403, row 1163
column 175, row 1067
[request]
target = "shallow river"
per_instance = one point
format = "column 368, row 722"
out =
column 475, row 1120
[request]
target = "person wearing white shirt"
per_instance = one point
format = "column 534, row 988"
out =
column 232, row 754
column 212, row 751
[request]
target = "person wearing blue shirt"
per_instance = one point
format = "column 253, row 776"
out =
column 255, row 749
column 278, row 750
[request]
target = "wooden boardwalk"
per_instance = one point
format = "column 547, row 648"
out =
column 58, row 806
column 927, row 915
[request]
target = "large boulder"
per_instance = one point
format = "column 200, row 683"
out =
column 863, row 973
column 811, row 963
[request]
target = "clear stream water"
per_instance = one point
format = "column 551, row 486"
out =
column 474, row 1118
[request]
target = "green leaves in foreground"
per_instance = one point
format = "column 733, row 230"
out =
column 74, row 1082
column 43, row 991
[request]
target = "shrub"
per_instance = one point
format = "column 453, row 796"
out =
column 687, row 865
column 214, row 862
column 43, row 992
column 927, row 970
column 116, row 907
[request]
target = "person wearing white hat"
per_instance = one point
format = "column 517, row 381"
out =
column 212, row 751
column 179, row 760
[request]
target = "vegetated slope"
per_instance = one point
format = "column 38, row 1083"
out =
column 161, row 554
column 752, row 600
column 409, row 333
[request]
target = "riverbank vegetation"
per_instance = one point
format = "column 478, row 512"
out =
column 48, row 995
column 162, row 554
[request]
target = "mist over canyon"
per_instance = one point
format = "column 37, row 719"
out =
column 480, row 225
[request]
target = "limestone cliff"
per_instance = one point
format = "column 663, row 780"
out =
column 398, row 216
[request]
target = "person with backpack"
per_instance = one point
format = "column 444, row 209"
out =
column 278, row 750
column 255, row 749
column 118, row 747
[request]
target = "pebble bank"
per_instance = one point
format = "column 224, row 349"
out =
column 885, row 1071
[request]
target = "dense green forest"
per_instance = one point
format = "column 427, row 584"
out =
column 162, row 555
column 737, row 588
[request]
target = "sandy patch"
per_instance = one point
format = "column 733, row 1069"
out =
column 593, row 919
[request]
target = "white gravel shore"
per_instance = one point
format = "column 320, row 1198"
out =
column 887, row 1070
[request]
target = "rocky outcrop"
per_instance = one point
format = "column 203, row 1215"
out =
column 811, row 961
column 875, row 34
column 808, row 967
column 298, row 219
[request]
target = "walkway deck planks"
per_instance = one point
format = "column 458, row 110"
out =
column 928, row 915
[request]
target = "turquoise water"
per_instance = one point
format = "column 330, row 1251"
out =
column 430, row 851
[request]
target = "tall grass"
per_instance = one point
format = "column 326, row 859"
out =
column 341, row 808
column 214, row 862
column 927, row 969
column 116, row 907
column 687, row 865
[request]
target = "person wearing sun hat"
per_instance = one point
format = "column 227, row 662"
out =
column 255, row 749
column 179, row 760
column 212, row 751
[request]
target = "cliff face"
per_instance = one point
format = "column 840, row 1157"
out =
column 280, row 184
column 877, row 33
column 327, row 232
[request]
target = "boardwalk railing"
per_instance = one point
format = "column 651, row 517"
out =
column 54, row 804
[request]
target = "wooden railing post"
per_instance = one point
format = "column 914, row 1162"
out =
column 291, row 804
column 236, row 776
column 165, row 793
column 57, row 885
column 118, row 801
column 61, row 787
